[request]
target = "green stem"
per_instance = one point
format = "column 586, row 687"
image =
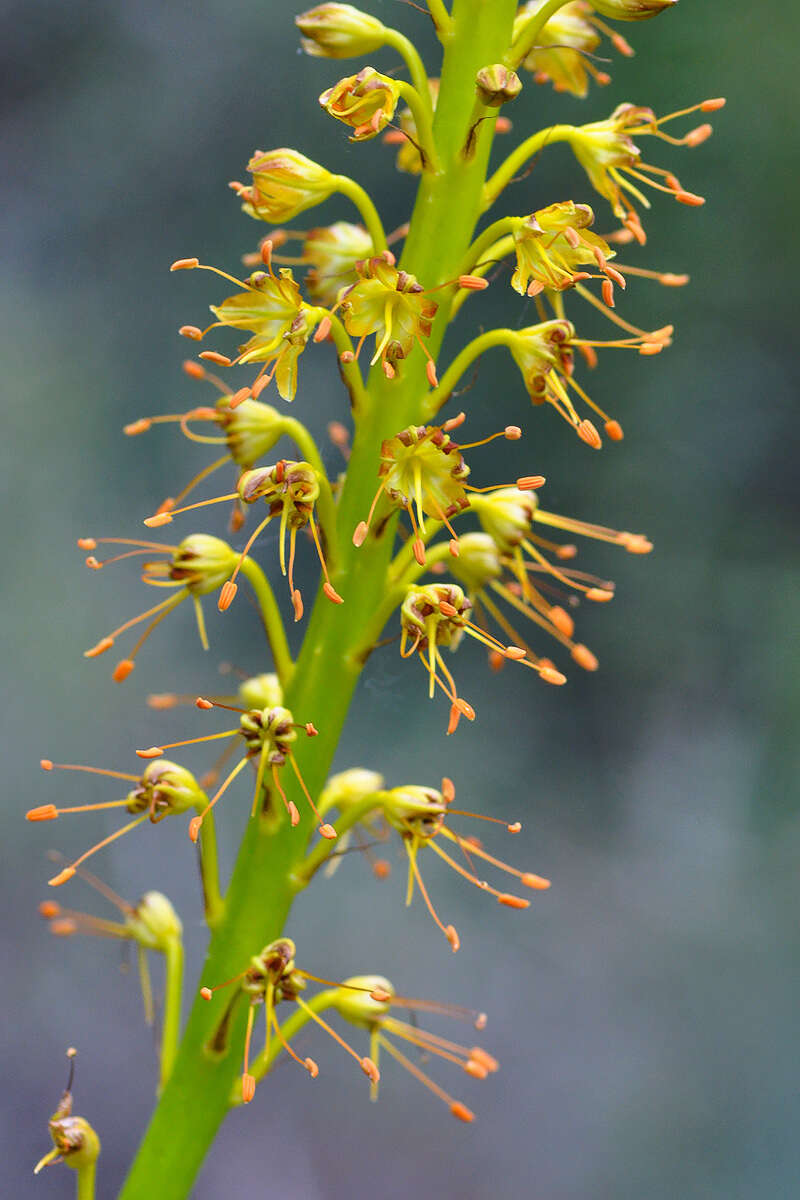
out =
column 321, row 685
column 350, row 370
column 209, row 868
column 492, row 255
column 422, row 119
column 85, row 1181
column 173, row 989
column 462, row 362
column 408, row 51
column 526, row 40
column 273, row 622
column 518, row 158
column 486, row 240
column 305, row 871
column 442, row 21
column 369, row 213
column 326, row 508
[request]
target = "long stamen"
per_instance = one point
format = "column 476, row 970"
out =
column 196, row 822
column 537, row 882
column 230, row 587
column 157, row 751
column 124, row 668
column 328, row 587
column 307, row 1063
column 47, row 765
column 326, row 830
column 69, row 871
column 366, row 1064
column 108, row 641
column 501, row 897
column 291, row 807
column 164, row 518
column 248, row 1082
column 448, row 930
column 455, row 1106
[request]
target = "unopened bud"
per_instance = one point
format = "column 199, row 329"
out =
column 339, row 31
column 497, row 85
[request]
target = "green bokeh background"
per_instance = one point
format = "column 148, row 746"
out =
column 644, row 1009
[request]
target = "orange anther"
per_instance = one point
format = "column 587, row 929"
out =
column 194, row 828
column 311, row 1067
column 87, row 544
column 587, row 432
column 454, row 718
column 62, row 877
column 475, row 1069
column 713, row 105
column 201, row 702
column 380, row 995
column 248, row 1088
column 49, row 909
column 482, row 1056
column 447, row 609
column 465, row 708
column 668, row 279
column 419, row 551
column 622, row 45
column 512, row 432
column 381, row 869
column 92, row 563
column 512, row 901
column 461, row 1111
column 608, row 293
column 453, row 938
column 567, row 551
column 63, row 927
column 530, row 483
column 454, row 422
column 331, row 593
column 496, row 660
column 297, row 604
column 194, row 369
column 584, row 657
column 690, row 198
column 45, row 812
column 206, row 993
column 599, row 594
column 515, row 653
column 448, row 790
column 191, row 332
column 213, row 356
column 430, row 372
column 551, row 675
column 46, row 764
column 104, row 644
column 360, row 533
column 185, row 264
column 537, row 882
column 259, row 386
column 473, row 283
column 503, row 125
column 239, row 397
column 347, row 357
column 311, row 729
column 614, row 431
column 227, row 594
column 696, row 137
column 122, row 670
column 648, row 349
column 294, row 815
column 454, row 547
column 152, row 752
column 159, row 518
column 322, row 330
column 327, row 831
column 370, row 1070
column 514, row 827
column 562, row 620
column 140, row 426
column 636, row 543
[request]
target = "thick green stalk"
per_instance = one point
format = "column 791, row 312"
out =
column 173, row 995
column 320, row 687
column 84, row 1183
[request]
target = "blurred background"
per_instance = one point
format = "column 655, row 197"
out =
column 645, row 1009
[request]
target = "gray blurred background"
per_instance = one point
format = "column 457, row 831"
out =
column 645, row 1008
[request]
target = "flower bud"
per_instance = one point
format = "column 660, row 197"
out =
column 261, row 691
column 154, row 922
column 333, row 252
column 506, row 515
column 538, row 350
column 631, row 10
column 285, row 183
column 354, row 1002
column 251, row 429
column 202, row 563
column 165, row 787
column 366, row 102
column 423, row 806
column 478, row 561
column 497, row 85
column 340, row 31
column 349, row 788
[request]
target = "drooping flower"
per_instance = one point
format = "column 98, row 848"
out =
column 290, row 490
column 195, row 567
column 269, row 735
column 285, row 183
column 366, row 102
column 613, row 162
column 394, row 306
column 75, row 1143
column 341, row 31
column 631, row 10
column 435, row 616
column 163, row 789
column 553, row 246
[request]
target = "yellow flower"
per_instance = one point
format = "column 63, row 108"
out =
column 366, row 102
column 394, row 306
column 553, row 244
column 285, row 183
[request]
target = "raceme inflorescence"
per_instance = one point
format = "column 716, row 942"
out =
column 419, row 553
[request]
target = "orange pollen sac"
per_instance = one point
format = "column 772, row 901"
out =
column 140, row 426
column 62, row 877
column 49, row 909
column 447, row 609
column 600, row 595
column 45, row 812
column 584, row 657
column 690, row 198
column 311, row 1067
column 381, row 869
column 562, row 620
column 123, row 669
column 614, row 431
column 248, row 1088
column 475, row 1069
column 512, row 432
column 537, row 882
column 473, row 283
column 87, row 544
column 514, row 827
column 194, row 828
column 104, row 644
column 153, row 752
column 530, row 483
column 587, row 432
column 297, row 604
column 206, row 993
column 370, row 1070
column 461, row 1112
column 482, row 1056
column 185, row 264
column 551, row 675
column 331, row 593
column 46, row 764
column 512, row 901
column 63, row 927
column 201, row 702
column 636, row 543
column 713, row 105
column 452, row 936
column 327, row 831
column 160, row 518
column 227, row 595
column 193, row 369
column 191, row 331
